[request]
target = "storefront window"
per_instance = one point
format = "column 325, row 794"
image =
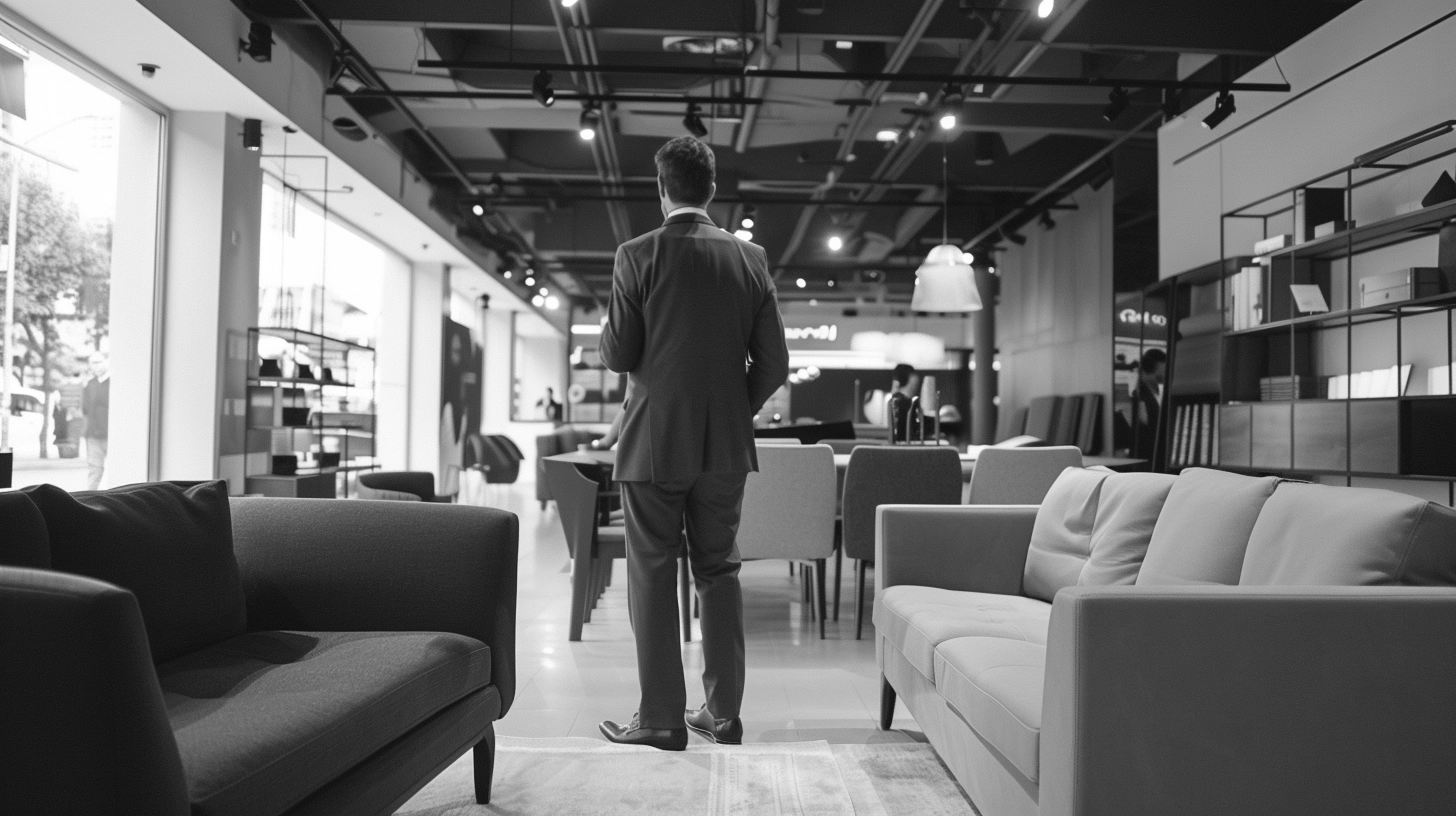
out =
column 61, row 166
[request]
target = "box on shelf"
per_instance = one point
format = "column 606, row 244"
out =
column 1332, row 227
column 1406, row 284
column 1314, row 206
column 1273, row 243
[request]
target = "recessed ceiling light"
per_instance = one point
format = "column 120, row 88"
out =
column 843, row 45
column 478, row 210
column 948, row 121
column 538, row 301
column 553, row 302
column 530, row 281
column 744, row 234
column 835, row 243
column 506, row 274
column 801, row 283
column 968, row 258
column 888, row 135
column 1044, row 8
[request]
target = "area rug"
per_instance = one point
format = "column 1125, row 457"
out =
column 573, row 775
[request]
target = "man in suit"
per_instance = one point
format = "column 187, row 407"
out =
column 690, row 305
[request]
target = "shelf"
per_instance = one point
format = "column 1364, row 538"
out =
column 312, row 337
column 1371, row 236
column 1385, row 311
column 1410, row 477
column 310, row 427
column 296, row 381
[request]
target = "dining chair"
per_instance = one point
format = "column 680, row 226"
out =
column 788, row 513
column 1019, row 475
column 400, row 485
column 593, row 546
column 891, row 474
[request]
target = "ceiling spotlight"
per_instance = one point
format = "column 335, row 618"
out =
column 1116, row 104
column 984, row 148
column 1044, row 8
column 744, row 234
column 259, row 44
column 968, row 258
column 1172, row 103
column 746, row 223
column 829, row 283
column 1046, row 219
column 545, row 291
column 693, row 122
column 506, row 274
column 541, row 89
column 478, row 210
column 888, row 136
column 590, row 120
column 538, row 301
column 530, row 281
column 1222, row 109
column 350, row 129
column 749, row 213
column 553, row 302
column 947, row 121
column 843, row 45
column 835, row 243
column 568, row 3
column 801, row 283
column 253, row 134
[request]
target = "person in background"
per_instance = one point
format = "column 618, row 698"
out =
column 905, row 385
column 550, row 405
column 95, row 406
column 1147, row 400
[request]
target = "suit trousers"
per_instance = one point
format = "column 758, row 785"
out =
column 656, row 514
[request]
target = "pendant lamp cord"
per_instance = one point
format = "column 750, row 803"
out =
column 945, row 190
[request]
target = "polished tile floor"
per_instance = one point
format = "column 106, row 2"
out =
column 798, row 687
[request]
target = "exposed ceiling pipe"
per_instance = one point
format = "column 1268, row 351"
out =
column 1058, row 187
column 756, row 84
column 858, row 118
column 1047, row 38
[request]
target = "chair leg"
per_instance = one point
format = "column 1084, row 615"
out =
column 838, row 566
column 484, row 756
column 819, row 586
column 580, row 594
column 791, row 569
column 685, row 599
column 887, row 704
column 859, row 587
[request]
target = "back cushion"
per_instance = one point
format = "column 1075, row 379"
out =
column 1350, row 536
column 1127, row 511
column 23, row 538
column 170, row 545
column 1061, row 537
column 1201, row 536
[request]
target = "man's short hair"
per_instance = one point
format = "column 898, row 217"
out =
column 1152, row 358
column 686, row 168
column 902, row 375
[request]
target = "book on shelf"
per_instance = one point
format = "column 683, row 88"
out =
column 1438, row 381
column 1383, row 383
column 1273, row 243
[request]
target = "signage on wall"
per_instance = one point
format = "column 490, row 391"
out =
column 828, row 332
column 1133, row 317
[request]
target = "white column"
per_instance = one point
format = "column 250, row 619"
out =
column 392, row 440
column 430, row 301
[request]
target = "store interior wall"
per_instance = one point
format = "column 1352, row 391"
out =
column 1054, row 321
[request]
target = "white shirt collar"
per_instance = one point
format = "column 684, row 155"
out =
column 695, row 210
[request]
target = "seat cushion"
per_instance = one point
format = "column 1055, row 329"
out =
column 917, row 619
column 170, row 544
column 264, row 719
column 1350, row 536
column 995, row 684
column 1204, row 528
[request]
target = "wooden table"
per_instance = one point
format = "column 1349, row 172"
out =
column 968, row 463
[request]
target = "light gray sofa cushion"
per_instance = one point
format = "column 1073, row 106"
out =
column 1092, row 530
column 996, row 685
column 1127, row 511
column 1061, row 539
column 1349, row 536
column 917, row 619
column 1204, row 527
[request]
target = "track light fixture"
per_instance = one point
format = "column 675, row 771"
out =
column 835, row 243
column 1222, row 109
column 590, row 121
column 693, row 122
column 253, row 134
column 1045, row 8
column 259, row 44
column 1172, row 104
column 541, row 89
column 948, row 120
column 478, row 209
column 568, row 3
column 750, row 212
column 1117, row 102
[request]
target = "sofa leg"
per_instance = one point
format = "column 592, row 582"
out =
column 484, row 755
column 887, row 704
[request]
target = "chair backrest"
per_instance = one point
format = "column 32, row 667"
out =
column 509, row 444
column 504, row 466
column 1017, row 425
column 894, row 474
column 1065, row 432
column 1041, row 417
column 1089, row 426
column 1019, row 475
column 419, row 482
column 789, row 504
column 576, row 502
column 779, row 441
column 846, row 446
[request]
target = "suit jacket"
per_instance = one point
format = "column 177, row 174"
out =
column 691, row 304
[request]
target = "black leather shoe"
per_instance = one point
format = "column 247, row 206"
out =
column 663, row 739
column 723, row 732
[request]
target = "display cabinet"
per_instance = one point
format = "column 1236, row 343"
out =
column 310, row 414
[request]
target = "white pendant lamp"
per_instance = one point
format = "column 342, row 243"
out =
column 945, row 282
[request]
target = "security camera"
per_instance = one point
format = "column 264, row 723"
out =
column 148, row 70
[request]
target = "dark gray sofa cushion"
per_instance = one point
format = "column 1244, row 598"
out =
column 170, row 544
column 264, row 719
column 25, row 542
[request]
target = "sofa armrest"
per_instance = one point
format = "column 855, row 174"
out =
column 368, row 493
column 84, row 726
column 330, row 565
column 975, row 548
column 1249, row 700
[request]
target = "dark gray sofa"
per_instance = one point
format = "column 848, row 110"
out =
column 379, row 646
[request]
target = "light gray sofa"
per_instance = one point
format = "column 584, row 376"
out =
column 1202, row 644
